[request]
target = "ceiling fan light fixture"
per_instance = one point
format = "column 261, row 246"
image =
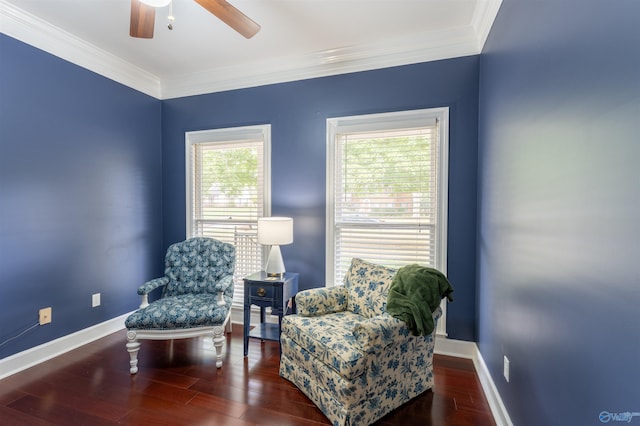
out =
column 143, row 13
column 156, row 3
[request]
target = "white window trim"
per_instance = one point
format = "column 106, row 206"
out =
column 223, row 136
column 380, row 122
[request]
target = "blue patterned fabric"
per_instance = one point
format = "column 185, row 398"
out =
column 329, row 339
column 322, row 301
column 352, row 359
column 368, row 286
column 184, row 311
column 197, row 271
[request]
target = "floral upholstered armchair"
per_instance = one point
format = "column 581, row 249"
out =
column 355, row 361
column 197, row 291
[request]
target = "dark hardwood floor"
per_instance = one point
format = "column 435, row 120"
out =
column 178, row 384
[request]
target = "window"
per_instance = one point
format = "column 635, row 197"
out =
column 228, row 189
column 387, row 190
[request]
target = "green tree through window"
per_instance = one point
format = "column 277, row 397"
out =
column 232, row 171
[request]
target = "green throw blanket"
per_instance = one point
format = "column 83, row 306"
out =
column 415, row 293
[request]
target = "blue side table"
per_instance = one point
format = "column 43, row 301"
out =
column 264, row 291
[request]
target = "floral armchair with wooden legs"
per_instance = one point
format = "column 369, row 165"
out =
column 197, row 291
column 354, row 360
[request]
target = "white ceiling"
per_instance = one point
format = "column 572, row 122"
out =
column 299, row 39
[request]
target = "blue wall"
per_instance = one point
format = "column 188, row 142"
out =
column 80, row 173
column 297, row 112
column 89, row 198
column 559, row 230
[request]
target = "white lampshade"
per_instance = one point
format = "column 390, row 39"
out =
column 156, row 3
column 275, row 231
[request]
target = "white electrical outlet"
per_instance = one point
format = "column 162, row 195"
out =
column 95, row 300
column 506, row 368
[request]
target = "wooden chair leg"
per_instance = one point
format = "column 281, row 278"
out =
column 218, row 342
column 133, row 346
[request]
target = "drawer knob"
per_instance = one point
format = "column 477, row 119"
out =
column 261, row 292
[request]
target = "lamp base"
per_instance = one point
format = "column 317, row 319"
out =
column 275, row 265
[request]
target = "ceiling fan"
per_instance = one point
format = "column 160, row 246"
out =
column 143, row 16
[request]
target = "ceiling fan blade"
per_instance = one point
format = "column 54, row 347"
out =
column 231, row 16
column 143, row 18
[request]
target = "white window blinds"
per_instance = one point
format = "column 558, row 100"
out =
column 387, row 201
column 228, row 191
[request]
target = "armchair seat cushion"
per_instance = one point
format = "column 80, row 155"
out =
column 184, row 311
column 330, row 340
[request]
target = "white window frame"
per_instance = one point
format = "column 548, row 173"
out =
column 388, row 121
column 227, row 136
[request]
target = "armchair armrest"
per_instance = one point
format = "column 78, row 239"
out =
column 224, row 287
column 377, row 332
column 148, row 287
column 321, row 301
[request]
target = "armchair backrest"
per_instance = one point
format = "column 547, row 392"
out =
column 195, row 265
column 368, row 287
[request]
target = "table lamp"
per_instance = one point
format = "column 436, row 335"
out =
column 275, row 231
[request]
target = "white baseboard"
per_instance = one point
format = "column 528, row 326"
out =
column 469, row 350
column 500, row 414
column 25, row 359
column 458, row 348
column 22, row 360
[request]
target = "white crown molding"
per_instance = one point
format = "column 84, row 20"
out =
column 483, row 18
column 447, row 44
column 457, row 42
column 36, row 32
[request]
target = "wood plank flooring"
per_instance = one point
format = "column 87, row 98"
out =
column 178, row 384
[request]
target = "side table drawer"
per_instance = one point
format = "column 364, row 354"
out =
column 267, row 293
column 263, row 291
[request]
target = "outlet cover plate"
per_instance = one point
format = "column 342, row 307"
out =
column 95, row 300
column 45, row 316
